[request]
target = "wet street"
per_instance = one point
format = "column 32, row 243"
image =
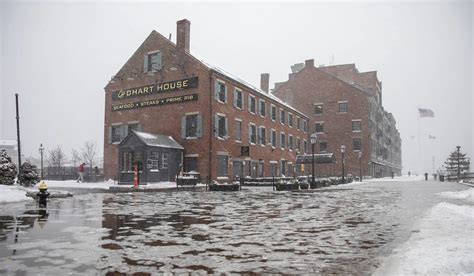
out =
column 340, row 229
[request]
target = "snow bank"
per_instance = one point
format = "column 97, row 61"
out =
column 467, row 195
column 74, row 184
column 12, row 193
column 443, row 244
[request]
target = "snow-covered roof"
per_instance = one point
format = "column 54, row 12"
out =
column 255, row 89
column 158, row 140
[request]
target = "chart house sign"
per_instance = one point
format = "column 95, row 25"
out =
column 155, row 102
column 164, row 87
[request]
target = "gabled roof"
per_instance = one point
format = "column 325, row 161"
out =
column 157, row 140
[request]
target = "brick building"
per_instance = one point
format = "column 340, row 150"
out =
column 226, row 126
column 345, row 108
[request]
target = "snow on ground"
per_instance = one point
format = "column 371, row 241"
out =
column 403, row 178
column 12, row 193
column 75, row 184
column 442, row 243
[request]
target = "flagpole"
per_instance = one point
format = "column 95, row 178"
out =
column 419, row 144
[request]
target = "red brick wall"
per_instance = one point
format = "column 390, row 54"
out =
column 310, row 86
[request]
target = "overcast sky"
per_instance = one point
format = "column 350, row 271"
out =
column 59, row 57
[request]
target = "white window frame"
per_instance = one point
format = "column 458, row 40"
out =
column 339, row 108
column 282, row 145
column 271, row 138
column 318, row 122
column 283, row 117
column 291, row 147
column 256, row 107
column 290, row 115
column 314, row 110
column 272, row 106
column 259, row 134
column 357, row 120
column 256, row 129
column 225, row 88
column 225, row 126
column 235, row 128
column 243, row 100
column 259, row 108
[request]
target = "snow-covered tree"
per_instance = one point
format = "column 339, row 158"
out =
column 457, row 161
column 56, row 158
column 28, row 175
column 8, row 169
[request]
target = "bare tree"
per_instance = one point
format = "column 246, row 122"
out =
column 56, row 157
column 75, row 158
column 89, row 153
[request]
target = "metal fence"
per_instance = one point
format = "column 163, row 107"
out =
column 72, row 173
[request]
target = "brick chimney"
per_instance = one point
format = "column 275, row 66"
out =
column 309, row 63
column 264, row 81
column 182, row 35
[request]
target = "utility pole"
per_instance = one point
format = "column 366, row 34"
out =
column 18, row 133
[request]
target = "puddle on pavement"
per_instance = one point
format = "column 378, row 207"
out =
column 336, row 231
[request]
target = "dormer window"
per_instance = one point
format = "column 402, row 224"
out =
column 152, row 62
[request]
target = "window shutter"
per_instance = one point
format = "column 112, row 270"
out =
column 216, row 91
column 159, row 61
column 249, row 134
column 110, row 135
column 199, row 126
column 235, row 98
column 226, row 128
column 225, row 94
column 216, row 126
column 248, row 105
column 145, row 63
column 183, row 127
column 243, row 101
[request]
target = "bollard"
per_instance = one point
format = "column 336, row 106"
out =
column 426, row 176
column 135, row 177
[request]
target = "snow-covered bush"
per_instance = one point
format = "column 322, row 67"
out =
column 28, row 175
column 7, row 169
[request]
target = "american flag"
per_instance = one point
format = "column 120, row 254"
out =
column 425, row 112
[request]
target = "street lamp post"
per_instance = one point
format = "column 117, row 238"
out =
column 459, row 165
column 343, row 149
column 41, row 150
column 360, row 166
column 313, row 139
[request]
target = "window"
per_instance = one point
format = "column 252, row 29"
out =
column 274, row 112
column 191, row 164
column 356, row 144
column 283, row 167
column 318, row 109
column 273, row 168
column 319, row 126
column 221, row 92
column 221, row 126
column 261, row 107
column 191, row 126
column 252, row 134
column 298, row 123
column 261, row 136
column 152, row 62
column 129, row 159
column 305, row 126
column 323, row 146
column 290, row 142
column 298, row 144
column 153, row 161
column 282, row 140
column 252, row 105
column 342, row 107
column 274, row 138
column 290, row 119
column 238, row 99
column 282, row 116
column 305, row 146
column 133, row 126
column 117, row 133
column 165, row 160
column 238, row 130
column 222, row 161
column 356, row 125
column 260, row 169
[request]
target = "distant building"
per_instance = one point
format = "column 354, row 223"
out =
column 11, row 147
column 344, row 107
